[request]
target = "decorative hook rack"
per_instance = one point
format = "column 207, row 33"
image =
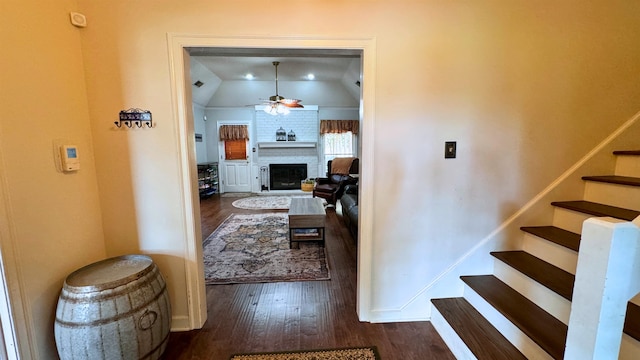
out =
column 137, row 117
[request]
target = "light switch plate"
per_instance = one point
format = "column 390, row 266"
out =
column 450, row 150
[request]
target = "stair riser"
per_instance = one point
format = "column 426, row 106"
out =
column 569, row 219
column 628, row 165
column 521, row 341
column 450, row 337
column 551, row 302
column 612, row 194
column 557, row 255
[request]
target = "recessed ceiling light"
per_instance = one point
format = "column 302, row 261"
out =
column 249, row 77
column 311, row 77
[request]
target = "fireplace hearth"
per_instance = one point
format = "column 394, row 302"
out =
column 286, row 176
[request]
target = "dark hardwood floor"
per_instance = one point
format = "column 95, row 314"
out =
column 287, row 316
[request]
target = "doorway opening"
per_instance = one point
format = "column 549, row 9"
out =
column 182, row 47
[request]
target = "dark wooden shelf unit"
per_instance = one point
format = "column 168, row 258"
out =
column 208, row 179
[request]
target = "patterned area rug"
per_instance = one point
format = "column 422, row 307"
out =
column 248, row 248
column 281, row 202
column 235, row 194
column 366, row 353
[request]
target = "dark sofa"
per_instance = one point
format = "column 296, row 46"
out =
column 349, row 202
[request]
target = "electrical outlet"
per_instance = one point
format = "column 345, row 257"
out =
column 450, row 150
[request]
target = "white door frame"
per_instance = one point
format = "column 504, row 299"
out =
column 222, row 160
column 17, row 335
column 178, row 45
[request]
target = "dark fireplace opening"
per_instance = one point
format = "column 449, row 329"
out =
column 286, row 176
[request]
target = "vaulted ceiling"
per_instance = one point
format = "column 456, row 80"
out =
column 219, row 76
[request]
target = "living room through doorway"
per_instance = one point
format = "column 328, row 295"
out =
column 363, row 46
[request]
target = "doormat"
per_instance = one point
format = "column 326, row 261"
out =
column 362, row 353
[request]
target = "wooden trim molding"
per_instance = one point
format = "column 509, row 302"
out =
column 193, row 262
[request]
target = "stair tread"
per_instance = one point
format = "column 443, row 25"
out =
column 484, row 340
column 544, row 329
column 557, row 235
column 597, row 209
column 614, row 179
column 552, row 277
column 626, row 152
column 632, row 321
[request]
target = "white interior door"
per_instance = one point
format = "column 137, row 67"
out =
column 235, row 172
column 236, row 176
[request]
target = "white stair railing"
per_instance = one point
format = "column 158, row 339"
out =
column 607, row 277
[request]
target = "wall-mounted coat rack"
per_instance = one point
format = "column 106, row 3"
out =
column 137, row 117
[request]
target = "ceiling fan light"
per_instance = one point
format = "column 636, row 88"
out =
column 269, row 109
column 282, row 110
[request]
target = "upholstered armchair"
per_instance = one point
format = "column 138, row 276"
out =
column 331, row 187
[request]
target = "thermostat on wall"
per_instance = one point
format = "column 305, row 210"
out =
column 69, row 158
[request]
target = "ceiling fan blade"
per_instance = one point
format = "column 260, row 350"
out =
column 295, row 106
column 290, row 103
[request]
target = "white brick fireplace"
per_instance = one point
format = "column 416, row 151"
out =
column 304, row 150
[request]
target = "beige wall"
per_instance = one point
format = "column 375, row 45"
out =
column 526, row 88
column 51, row 221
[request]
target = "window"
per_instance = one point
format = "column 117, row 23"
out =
column 339, row 139
column 235, row 149
column 338, row 145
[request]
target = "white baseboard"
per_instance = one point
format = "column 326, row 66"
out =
column 421, row 313
column 180, row 323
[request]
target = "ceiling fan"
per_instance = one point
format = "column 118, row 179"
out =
column 279, row 105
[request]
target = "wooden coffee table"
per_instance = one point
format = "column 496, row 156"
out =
column 306, row 221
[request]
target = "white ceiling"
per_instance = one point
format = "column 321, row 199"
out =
column 262, row 68
column 215, row 67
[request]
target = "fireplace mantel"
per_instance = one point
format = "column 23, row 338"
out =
column 287, row 144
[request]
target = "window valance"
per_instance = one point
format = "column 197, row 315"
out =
column 339, row 126
column 234, row 132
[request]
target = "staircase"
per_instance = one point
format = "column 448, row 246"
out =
column 521, row 311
